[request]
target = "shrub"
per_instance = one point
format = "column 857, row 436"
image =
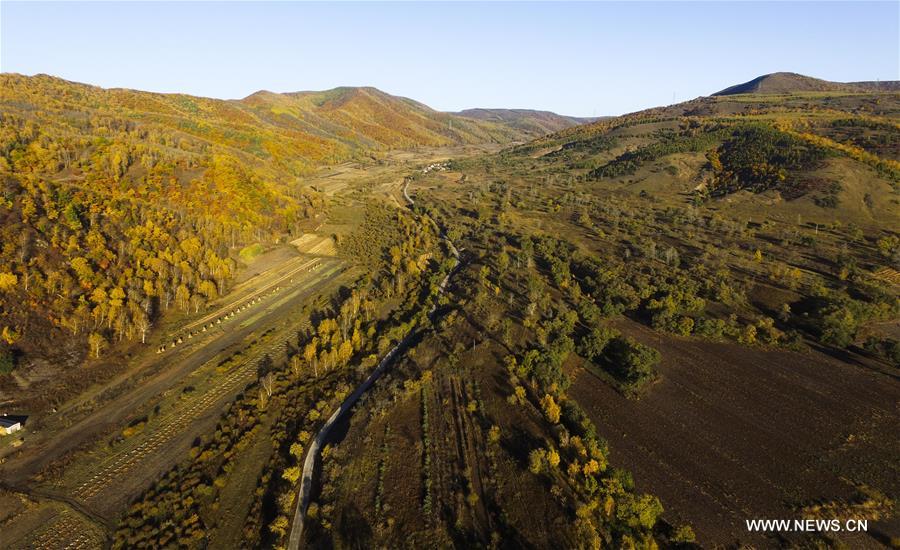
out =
column 839, row 328
column 592, row 345
column 552, row 458
column 710, row 328
column 631, row 361
column 7, row 360
column 684, row 325
column 494, row 434
column 684, row 535
column 291, row 474
column 888, row 348
column 537, row 461
column 639, row 512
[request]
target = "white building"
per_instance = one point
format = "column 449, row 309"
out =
column 9, row 425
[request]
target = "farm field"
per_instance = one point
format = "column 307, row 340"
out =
column 458, row 484
column 730, row 433
column 178, row 399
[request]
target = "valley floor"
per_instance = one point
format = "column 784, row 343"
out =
column 81, row 464
column 438, row 453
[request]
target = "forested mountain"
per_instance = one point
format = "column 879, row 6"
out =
column 119, row 204
column 367, row 118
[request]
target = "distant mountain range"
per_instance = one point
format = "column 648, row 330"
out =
column 782, row 83
column 527, row 120
column 371, row 119
column 320, row 126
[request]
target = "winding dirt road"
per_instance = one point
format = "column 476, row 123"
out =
column 312, row 455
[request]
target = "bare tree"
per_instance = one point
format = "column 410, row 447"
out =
column 268, row 383
column 197, row 302
column 296, row 365
column 263, row 398
column 142, row 322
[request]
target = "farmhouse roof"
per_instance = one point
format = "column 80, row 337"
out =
column 7, row 421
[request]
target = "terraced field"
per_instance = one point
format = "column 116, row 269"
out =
column 102, row 476
column 247, row 298
column 888, row 275
column 67, row 532
column 125, row 461
column 315, row 244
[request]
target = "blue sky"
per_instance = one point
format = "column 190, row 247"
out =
column 573, row 58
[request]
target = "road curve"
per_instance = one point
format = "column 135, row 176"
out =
column 312, row 455
column 406, row 194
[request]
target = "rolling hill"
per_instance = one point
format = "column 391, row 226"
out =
column 782, row 83
column 527, row 120
column 312, row 127
column 673, row 277
column 109, row 191
column 367, row 118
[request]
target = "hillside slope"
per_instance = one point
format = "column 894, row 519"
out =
column 782, row 83
column 878, row 85
column 672, row 278
column 120, row 204
column 369, row 118
column 528, row 120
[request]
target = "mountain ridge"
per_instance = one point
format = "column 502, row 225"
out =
column 527, row 119
column 788, row 82
column 385, row 120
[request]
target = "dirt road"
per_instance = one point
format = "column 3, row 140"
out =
column 312, row 455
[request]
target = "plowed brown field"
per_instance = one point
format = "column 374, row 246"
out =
column 731, row 433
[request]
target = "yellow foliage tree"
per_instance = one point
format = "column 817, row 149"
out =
column 8, row 281
column 10, row 335
column 552, row 457
column 291, row 474
column 550, row 408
